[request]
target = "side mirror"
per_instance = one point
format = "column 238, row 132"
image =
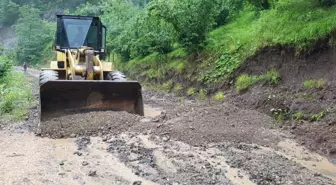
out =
column 53, row 47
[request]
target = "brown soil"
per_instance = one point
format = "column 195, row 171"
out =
column 292, row 96
column 196, row 125
column 318, row 136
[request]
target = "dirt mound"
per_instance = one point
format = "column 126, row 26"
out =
column 92, row 123
column 196, row 125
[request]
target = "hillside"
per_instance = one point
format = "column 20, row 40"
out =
column 299, row 26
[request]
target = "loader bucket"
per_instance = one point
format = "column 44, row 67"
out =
column 64, row 97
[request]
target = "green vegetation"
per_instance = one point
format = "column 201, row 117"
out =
column 202, row 94
column 15, row 96
column 219, row 96
column 244, row 82
column 298, row 116
column 314, row 84
column 168, row 86
column 198, row 42
column 280, row 114
column 191, row 91
column 319, row 116
column 178, row 89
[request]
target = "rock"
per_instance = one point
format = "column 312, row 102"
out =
column 62, row 163
column 145, row 120
column 163, row 115
column 26, row 118
column 317, row 174
column 92, row 173
column 78, row 153
column 73, row 135
column 106, row 138
column 85, row 163
column 137, row 183
column 26, row 180
column 166, row 138
column 61, row 173
column 190, row 155
column 156, row 120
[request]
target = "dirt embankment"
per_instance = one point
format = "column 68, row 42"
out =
column 293, row 97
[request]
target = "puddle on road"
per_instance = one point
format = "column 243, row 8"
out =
column 311, row 161
column 152, row 112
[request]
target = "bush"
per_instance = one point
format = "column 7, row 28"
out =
column 5, row 66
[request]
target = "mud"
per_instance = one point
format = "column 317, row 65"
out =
column 190, row 143
column 292, row 97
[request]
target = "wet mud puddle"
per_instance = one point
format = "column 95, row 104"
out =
column 311, row 161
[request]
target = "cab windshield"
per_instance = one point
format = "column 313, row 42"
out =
column 77, row 31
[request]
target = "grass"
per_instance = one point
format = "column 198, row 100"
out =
column 298, row 24
column 168, row 86
column 15, row 96
column 244, row 82
column 314, row 84
column 178, row 89
column 191, row 91
column 202, row 94
column 319, row 116
column 298, row 116
column 219, row 96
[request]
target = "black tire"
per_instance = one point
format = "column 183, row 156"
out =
column 116, row 76
column 48, row 75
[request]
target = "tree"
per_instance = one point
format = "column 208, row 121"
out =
column 34, row 35
column 191, row 19
column 8, row 12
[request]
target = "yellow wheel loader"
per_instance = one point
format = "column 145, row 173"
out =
column 78, row 81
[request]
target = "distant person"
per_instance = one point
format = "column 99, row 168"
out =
column 25, row 66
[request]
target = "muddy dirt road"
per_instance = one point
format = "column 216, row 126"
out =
column 193, row 143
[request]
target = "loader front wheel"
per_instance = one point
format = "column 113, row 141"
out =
column 116, row 76
column 48, row 75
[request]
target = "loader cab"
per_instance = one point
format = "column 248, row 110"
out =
column 74, row 32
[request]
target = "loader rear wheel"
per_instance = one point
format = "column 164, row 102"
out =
column 116, row 76
column 48, row 75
